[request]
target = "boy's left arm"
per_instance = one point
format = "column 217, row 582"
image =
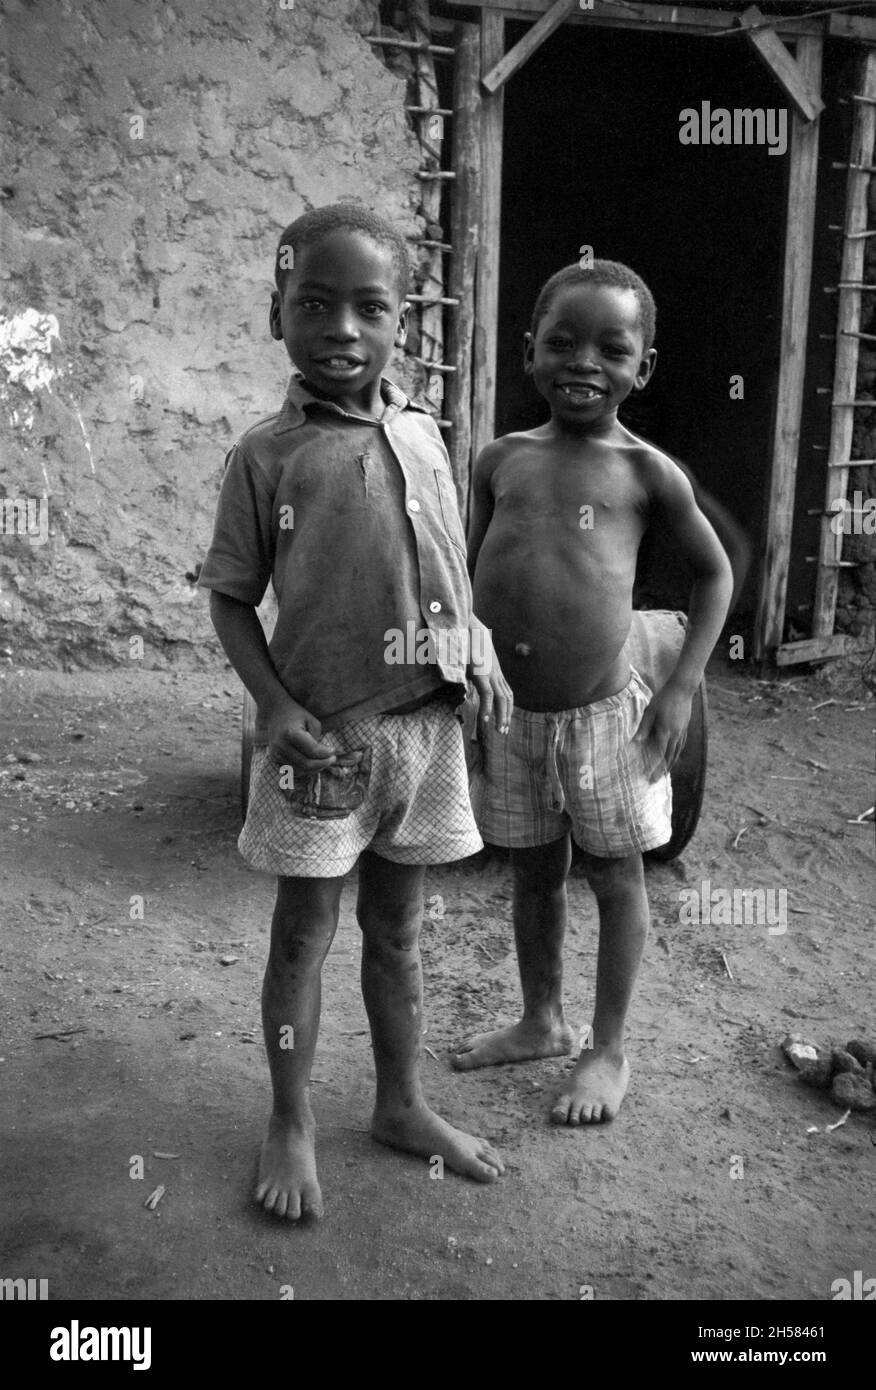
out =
column 664, row 723
column 494, row 693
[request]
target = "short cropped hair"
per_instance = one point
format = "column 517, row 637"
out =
column 600, row 273
column 346, row 217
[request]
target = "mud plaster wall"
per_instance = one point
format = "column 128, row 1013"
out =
column 155, row 256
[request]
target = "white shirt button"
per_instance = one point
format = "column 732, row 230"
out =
column 434, row 606
column 413, row 505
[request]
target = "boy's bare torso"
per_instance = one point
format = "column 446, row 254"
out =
column 556, row 577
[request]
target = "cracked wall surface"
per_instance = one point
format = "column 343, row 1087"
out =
column 154, row 154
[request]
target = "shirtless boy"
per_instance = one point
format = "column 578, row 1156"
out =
column 558, row 515
column 345, row 501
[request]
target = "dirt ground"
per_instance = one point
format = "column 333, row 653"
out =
column 121, row 786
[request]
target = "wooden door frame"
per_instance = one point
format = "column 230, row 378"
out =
column 799, row 233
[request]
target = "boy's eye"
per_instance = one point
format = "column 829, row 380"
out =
column 558, row 344
column 373, row 311
column 311, row 306
column 615, row 350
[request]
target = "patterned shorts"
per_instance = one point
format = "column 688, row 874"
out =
column 412, row 793
column 575, row 769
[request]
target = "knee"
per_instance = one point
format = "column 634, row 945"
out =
column 301, row 933
column 542, row 871
column 392, row 928
column 528, row 882
column 609, row 877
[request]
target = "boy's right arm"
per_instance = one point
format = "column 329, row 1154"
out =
column 481, row 502
column 293, row 734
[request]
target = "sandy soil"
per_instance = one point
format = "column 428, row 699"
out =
column 123, row 785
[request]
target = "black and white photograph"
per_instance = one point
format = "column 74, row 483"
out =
column 437, row 667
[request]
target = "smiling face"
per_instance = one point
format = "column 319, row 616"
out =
column 588, row 354
column 340, row 315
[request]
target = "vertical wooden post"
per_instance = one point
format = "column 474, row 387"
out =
column 799, row 238
column 465, row 201
column 848, row 323
column 430, row 133
column 487, row 286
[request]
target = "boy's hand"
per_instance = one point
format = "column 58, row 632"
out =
column 293, row 737
column 664, row 728
column 494, row 692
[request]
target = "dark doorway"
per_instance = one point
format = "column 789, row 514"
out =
column 592, row 157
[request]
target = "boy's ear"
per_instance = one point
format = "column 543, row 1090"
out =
column 647, row 367
column 401, row 331
column 528, row 353
column 275, row 322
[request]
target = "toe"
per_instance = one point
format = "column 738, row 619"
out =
column 311, row 1203
column 560, row 1112
column 487, row 1154
column 462, row 1061
column 271, row 1199
column 280, row 1204
column 293, row 1208
column 484, row 1172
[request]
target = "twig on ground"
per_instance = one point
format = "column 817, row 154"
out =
column 726, row 966
column 841, row 1121
column 60, row 1033
column 739, row 835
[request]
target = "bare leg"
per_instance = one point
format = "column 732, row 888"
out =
column 390, row 908
column 304, row 923
column 539, row 912
column 598, row 1083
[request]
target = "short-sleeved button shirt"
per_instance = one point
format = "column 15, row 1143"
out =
column 356, row 523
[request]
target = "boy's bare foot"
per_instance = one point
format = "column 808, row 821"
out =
column 522, row 1042
column 287, row 1183
column 595, row 1089
column 420, row 1131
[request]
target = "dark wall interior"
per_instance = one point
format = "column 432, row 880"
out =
column 592, row 156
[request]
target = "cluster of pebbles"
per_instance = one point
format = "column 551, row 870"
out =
column 849, row 1072
column 41, row 786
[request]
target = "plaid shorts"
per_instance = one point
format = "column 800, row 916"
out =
column 575, row 769
column 413, row 800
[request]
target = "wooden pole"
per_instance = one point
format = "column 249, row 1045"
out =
column 842, row 423
column 532, row 40
column 799, row 240
column 779, row 63
column 487, row 285
column 464, row 238
column 430, row 132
